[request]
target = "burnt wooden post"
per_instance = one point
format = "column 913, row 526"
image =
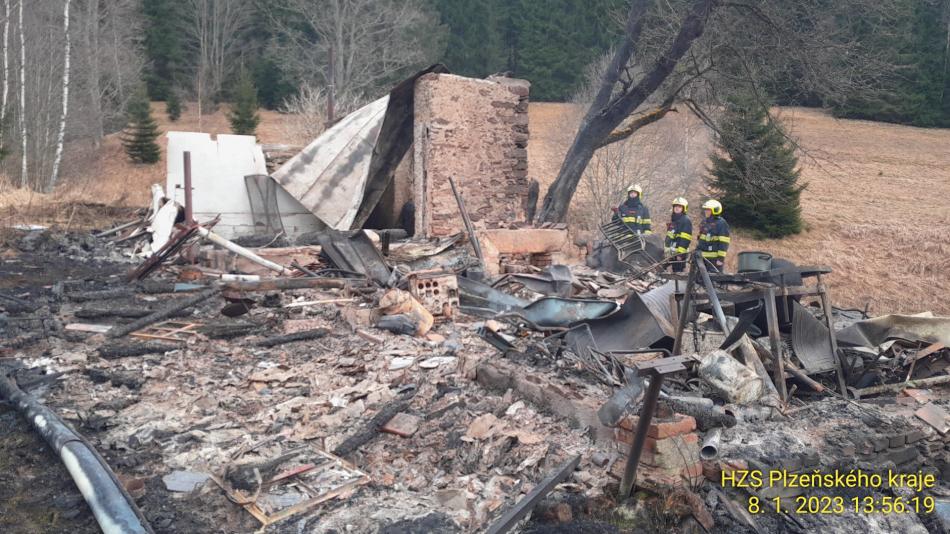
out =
column 771, row 316
column 833, row 340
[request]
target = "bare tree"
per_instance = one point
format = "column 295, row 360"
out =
column 659, row 157
column 216, row 34
column 690, row 53
column 6, row 70
column 23, row 129
column 306, row 113
column 54, row 176
column 108, row 62
column 373, row 42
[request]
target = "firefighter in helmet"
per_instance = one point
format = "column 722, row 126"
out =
column 634, row 213
column 679, row 233
column 714, row 235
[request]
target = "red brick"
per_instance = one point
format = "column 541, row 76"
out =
column 681, row 424
column 629, row 422
column 402, row 424
column 693, row 472
column 623, row 436
column 654, row 444
column 712, row 470
column 658, row 480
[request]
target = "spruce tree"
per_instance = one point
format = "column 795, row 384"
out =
column 243, row 116
column 173, row 105
column 757, row 181
column 140, row 134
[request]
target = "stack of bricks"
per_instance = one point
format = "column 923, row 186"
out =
column 476, row 132
column 670, row 456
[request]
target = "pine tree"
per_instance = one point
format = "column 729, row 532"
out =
column 140, row 134
column 243, row 116
column 163, row 35
column 757, row 182
column 173, row 106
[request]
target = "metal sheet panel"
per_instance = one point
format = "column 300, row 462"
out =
column 811, row 341
column 873, row 332
column 329, row 176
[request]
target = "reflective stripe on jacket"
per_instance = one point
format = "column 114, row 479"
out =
column 636, row 216
column 679, row 233
column 714, row 237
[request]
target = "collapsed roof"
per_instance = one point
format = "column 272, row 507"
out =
column 342, row 174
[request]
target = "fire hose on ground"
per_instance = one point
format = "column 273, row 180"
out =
column 112, row 506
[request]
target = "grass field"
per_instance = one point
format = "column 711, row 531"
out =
column 875, row 208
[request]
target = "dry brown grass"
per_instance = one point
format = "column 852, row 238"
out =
column 105, row 175
column 876, row 207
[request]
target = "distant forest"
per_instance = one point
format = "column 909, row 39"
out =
column 549, row 42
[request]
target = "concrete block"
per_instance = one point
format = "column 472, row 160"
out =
column 896, row 440
column 900, row 456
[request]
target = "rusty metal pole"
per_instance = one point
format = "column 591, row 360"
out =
column 189, row 208
column 684, row 306
column 639, row 439
column 655, row 369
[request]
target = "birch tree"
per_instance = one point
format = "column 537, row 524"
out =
column 23, row 128
column 62, row 121
column 6, row 72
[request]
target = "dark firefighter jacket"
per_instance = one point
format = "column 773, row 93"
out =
column 635, row 215
column 679, row 232
column 714, row 238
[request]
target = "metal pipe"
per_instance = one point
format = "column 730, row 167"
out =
column 684, row 306
column 240, row 251
column 189, row 207
column 646, row 416
column 713, row 298
column 710, row 448
column 469, row 227
column 112, row 506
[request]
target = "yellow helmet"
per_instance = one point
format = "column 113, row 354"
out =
column 681, row 201
column 637, row 188
column 713, row 205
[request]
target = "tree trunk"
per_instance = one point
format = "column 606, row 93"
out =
column 60, row 139
column 91, row 43
column 605, row 114
column 6, row 68
column 23, row 130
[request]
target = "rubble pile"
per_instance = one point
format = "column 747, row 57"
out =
column 368, row 383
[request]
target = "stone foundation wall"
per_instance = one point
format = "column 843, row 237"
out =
column 475, row 131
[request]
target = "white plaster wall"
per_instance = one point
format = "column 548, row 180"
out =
column 218, row 168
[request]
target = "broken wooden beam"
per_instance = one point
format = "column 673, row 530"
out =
column 122, row 350
column 887, row 388
column 306, row 335
column 278, row 284
column 523, row 507
column 163, row 313
column 372, row 427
